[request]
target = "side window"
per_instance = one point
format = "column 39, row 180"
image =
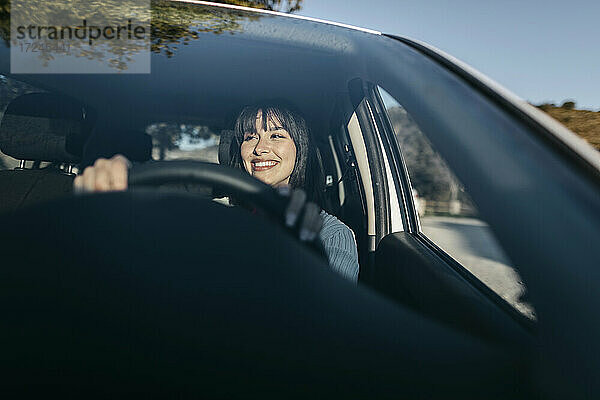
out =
column 448, row 216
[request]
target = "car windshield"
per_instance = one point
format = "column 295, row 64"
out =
column 176, row 95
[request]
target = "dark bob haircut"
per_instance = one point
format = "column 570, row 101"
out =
column 307, row 173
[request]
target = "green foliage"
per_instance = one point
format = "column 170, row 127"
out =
column 287, row 6
column 175, row 24
column 103, row 12
column 165, row 28
column 568, row 105
column 172, row 23
column 169, row 135
column 5, row 21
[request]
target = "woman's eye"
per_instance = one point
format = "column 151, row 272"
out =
column 249, row 137
column 278, row 136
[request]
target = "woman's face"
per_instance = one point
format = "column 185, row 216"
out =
column 269, row 155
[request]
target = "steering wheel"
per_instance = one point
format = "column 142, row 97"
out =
column 232, row 181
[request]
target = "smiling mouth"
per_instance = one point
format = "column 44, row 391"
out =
column 263, row 165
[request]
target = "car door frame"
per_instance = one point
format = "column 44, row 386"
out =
column 460, row 282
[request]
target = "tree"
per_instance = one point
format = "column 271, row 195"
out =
column 5, row 21
column 172, row 23
column 287, row 6
column 168, row 136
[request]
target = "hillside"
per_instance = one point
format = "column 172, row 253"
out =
column 583, row 122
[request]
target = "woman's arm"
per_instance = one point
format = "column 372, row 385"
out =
column 340, row 247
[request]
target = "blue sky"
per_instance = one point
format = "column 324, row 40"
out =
column 543, row 51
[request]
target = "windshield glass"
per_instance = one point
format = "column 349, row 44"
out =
column 268, row 95
column 207, row 64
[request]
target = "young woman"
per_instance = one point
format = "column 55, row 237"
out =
column 272, row 143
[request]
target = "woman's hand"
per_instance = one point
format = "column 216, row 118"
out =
column 305, row 214
column 104, row 176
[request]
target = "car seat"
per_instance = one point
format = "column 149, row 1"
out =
column 41, row 127
column 135, row 145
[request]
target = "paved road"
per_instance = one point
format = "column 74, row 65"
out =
column 470, row 242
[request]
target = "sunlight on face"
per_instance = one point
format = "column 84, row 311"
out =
column 269, row 155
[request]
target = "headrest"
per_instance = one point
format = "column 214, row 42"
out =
column 225, row 147
column 45, row 127
column 135, row 145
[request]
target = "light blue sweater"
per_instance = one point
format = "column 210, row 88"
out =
column 340, row 246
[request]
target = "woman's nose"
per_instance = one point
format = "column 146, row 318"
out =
column 261, row 147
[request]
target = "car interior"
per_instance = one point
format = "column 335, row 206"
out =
column 72, row 134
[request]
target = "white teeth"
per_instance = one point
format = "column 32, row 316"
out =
column 265, row 164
